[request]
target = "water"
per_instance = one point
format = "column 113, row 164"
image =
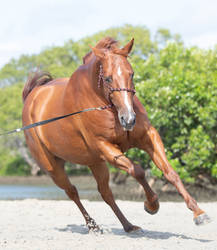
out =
column 19, row 192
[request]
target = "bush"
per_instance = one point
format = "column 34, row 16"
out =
column 178, row 88
column 15, row 166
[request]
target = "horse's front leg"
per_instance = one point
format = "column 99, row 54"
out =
column 101, row 174
column 152, row 144
column 113, row 155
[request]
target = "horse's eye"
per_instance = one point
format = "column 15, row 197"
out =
column 132, row 75
column 108, row 79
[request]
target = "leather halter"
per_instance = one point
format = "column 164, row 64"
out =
column 111, row 89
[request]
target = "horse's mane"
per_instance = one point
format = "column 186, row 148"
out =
column 105, row 43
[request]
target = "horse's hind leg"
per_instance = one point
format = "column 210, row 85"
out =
column 101, row 175
column 55, row 168
column 153, row 145
column 61, row 180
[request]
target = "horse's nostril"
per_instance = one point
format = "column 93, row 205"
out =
column 134, row 121
column 123, row 122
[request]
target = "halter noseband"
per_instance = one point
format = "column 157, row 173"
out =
column 111, row 89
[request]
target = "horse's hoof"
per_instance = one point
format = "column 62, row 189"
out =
column 97, row 230
column 133, row 229
column 202, row 219
column 151, row 208
column 93, row 227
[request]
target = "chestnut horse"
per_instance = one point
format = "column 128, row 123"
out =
column 96, row 137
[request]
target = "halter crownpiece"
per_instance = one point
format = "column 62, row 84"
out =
column 101, row 77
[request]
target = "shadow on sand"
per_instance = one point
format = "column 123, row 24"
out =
column 156, row 235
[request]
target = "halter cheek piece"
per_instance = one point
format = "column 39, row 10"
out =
column 111, row 89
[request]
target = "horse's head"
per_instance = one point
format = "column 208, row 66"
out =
column 116, row 76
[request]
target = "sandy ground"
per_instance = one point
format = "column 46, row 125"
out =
column 58, row 225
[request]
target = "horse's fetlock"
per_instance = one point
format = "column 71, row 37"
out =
column 154, row 198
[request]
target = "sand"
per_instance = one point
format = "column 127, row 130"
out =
column 58, row 225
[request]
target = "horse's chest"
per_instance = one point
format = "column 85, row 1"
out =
column 121, row 139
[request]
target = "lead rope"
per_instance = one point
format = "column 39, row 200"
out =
column 36, row 124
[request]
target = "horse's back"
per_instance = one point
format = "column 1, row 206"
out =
column 63, row 138
column 42, row 95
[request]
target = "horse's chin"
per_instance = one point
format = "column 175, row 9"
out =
column 128, row 129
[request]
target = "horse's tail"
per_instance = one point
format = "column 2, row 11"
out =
column 36, row 79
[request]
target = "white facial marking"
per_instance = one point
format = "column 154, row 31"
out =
column 129, row 107
column 126, row 101
column 119, row 71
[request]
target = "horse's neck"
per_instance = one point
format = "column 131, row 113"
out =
column 84, row 83
column 92, row 71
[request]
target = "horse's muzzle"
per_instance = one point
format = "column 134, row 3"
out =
column 128, row 121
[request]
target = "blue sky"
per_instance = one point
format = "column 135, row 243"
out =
column 28, row 26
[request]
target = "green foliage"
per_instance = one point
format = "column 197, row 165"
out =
column 11, row 105
column 75, row 169
column 15, row 166
column 177, row 86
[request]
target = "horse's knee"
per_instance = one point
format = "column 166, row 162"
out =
column 172, row 176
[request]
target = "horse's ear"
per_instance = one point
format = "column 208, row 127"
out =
column 98, row 52
column 126, row 49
